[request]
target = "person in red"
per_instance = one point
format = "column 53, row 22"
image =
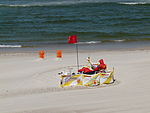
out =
column 86, row 70
column 102, row 66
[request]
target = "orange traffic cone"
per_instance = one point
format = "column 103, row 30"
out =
column 59, row 53
column 41, row 54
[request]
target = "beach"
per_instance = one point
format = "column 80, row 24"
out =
column 117, row 31
column 31, row 85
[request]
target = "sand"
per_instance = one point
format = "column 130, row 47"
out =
column 31, row 85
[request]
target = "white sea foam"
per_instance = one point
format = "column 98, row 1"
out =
column 10, row 46
column 119, row 40
column 89, row 42
column 33, row 4
column 66, row 2
column 93, row 42
column 133, row 3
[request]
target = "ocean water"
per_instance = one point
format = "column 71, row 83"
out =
column 36, row 23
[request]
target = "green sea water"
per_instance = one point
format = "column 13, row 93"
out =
column 48, row 22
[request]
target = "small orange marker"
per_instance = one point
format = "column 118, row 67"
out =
column 59, row 53
column 41, row 54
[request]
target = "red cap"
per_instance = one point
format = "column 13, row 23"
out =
column 101, row 61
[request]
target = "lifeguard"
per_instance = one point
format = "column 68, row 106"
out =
column 101, row 67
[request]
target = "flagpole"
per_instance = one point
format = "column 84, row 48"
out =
column 73, row 40
column 77, row 55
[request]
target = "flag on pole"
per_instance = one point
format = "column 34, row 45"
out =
column 72, row 39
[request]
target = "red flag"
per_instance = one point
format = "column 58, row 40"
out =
column 72, row 39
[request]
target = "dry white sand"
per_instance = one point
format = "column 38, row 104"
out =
column 30, row 85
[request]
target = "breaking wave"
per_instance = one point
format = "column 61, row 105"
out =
column 90, row 42
column 64, row 3
column 57, row 3
column 115, row 41
column 10, row 46
column 134, row 3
